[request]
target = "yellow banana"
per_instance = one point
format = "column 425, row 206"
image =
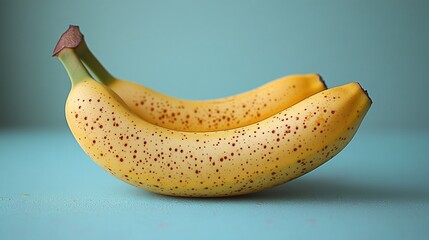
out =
column 209, row 164
column 209, row 115
column 219, row 114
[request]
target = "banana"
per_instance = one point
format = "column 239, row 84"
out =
column 208, row 115
column 231, row 162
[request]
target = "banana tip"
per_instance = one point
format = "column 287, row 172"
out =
column 71, row 38
column 322, row 80
column 365, row 91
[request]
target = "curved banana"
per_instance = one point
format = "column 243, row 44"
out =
column 219, row 114
column 209, row 115
column 209, row 164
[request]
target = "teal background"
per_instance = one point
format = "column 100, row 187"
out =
column 377, row 188
column 210, row 49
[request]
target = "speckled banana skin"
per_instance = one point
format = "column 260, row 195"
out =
column 208, row 115
column 274, row 151
column 220, row 114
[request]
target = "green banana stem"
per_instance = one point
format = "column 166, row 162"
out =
column 92, row 63
column 74, row 67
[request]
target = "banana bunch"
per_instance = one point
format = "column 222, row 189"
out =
column 224, row 147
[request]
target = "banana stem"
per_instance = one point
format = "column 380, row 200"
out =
column 92, row 63
column 74, row 67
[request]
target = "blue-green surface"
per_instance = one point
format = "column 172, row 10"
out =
column 377, row 188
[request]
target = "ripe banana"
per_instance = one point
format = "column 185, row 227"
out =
column 209, row 115
column 209, row 164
